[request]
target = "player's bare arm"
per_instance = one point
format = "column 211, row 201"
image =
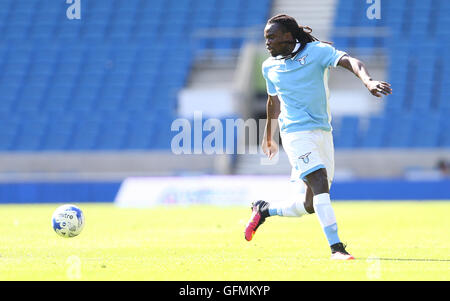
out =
column 270, row 147
column 377, row 88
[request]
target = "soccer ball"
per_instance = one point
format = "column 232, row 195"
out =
column 68, row 220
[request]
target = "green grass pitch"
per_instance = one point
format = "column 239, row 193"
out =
column 390, row 240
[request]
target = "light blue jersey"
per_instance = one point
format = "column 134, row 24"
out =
column 301, row 84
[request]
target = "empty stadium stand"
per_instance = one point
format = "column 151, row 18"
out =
column 416, row 114
column 108, row 81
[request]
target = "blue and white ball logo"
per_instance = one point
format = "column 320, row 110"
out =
column 68, row 220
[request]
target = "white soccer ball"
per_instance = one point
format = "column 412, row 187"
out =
column 68, row 220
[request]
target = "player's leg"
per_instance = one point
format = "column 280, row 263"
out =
column 263, row 209
column 309, row 206
column 295, row 208
column 320, row 184
column 294, row 144
column 299, row 205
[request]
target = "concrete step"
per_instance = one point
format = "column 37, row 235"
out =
column 258, row 164
column 210, row 72
column 318, row 14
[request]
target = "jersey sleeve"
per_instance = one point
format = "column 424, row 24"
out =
column 269, row 85
column 331, row 55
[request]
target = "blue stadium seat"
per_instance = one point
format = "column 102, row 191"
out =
column 137, row 97
column 30, row 97
column 57, row 96
column 84, row 99
column 31, row 131
column 110, row 97
column 9, row 126
column 444, row 128
column 347, row 133
column 141, row 133
column 59, row 132
column 399, row 130
column 4, row 12
column 114, row 129
column 426, row 130
column 86, row 132
column 344, row 13
column 374, row 135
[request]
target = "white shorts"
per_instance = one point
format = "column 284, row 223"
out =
column 309, row 151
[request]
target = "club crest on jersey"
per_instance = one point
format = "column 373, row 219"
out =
column 305, row 157
column 302, row 60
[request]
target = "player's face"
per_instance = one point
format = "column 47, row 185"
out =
column 275, row 40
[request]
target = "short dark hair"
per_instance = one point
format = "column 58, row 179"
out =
column 289, row 24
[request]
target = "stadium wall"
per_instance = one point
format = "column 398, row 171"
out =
column 112, row 165
column 212, row 190
column 58, row 192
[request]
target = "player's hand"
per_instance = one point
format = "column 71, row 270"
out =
column 377, row 88
column 270, row 148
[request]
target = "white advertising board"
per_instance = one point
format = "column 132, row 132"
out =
column 206, row 190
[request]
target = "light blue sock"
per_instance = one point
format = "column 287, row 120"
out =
column 331, row 234
column 273, row 211
column 327, row 219
column 287, row 209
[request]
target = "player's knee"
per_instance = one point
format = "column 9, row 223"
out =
column 318, row 181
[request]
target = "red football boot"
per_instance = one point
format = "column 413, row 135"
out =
column 259, row 214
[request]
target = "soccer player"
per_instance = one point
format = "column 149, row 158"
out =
column 296, row 75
